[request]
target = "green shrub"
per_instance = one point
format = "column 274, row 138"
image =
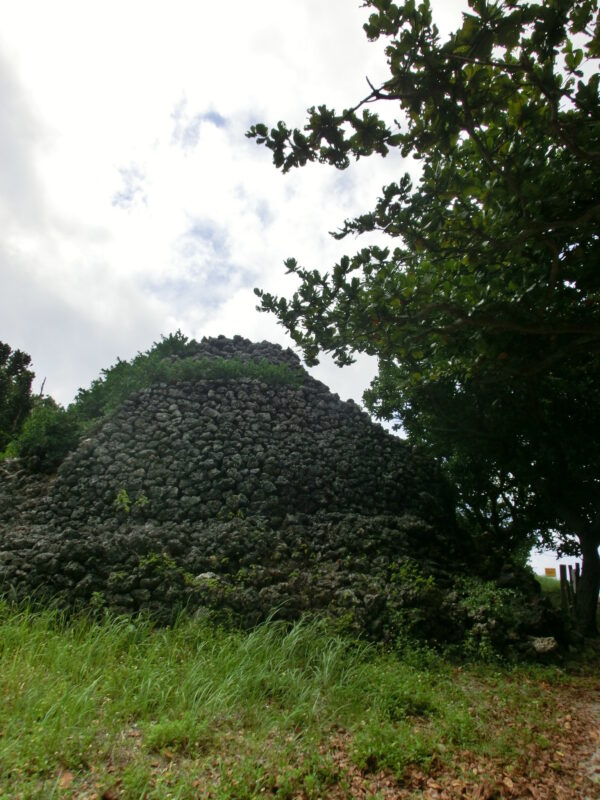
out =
column 48, row 434
column 120, row 381
column 471, row 617
column 494, row 619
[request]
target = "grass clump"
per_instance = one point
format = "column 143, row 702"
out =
column 194, row 711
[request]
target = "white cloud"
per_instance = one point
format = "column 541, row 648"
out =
column 131, row 202
column 186, row 129
column 132, row 190
column 21, row 193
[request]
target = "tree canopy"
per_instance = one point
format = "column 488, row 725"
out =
column 15, row 391
column 484, row 310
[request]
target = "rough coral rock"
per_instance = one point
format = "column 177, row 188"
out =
column 239, row 495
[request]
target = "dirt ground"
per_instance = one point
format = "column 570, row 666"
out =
column 565, row 768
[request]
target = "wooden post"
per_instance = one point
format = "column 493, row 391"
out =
column 566, row 593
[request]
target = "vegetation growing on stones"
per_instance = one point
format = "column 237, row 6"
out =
column 173, row 359
column 247, row 499
column 44, row 432
column 484, row 310
column 267, row 496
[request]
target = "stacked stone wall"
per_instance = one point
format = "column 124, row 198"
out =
column 236, row 495
column 202, row 450
column 21, row 492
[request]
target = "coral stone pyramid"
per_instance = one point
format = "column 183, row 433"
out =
column 252, row 492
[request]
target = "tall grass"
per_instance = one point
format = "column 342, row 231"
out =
column 162, row 712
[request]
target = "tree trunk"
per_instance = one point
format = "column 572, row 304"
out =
column 586, row 600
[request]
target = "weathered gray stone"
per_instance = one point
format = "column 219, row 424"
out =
column 543, row 645
column 292, row 498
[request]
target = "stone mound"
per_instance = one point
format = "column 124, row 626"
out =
column 231, row 494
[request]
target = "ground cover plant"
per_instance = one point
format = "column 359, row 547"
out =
column 118, row 709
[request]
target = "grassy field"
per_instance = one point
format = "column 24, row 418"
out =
column 121, row 710
column 551, row 588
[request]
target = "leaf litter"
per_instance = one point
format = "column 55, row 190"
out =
column 562, row 765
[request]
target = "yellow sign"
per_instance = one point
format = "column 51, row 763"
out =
column 550, row 572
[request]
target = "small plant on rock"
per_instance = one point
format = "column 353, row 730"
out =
column 141, row 501
column 123, row 501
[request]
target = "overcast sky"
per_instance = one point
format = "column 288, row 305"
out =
column 131, row 203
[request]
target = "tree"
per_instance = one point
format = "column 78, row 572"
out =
column 15, row 392
column 486, row 311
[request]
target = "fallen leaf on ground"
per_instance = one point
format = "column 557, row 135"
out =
column 66, row 779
